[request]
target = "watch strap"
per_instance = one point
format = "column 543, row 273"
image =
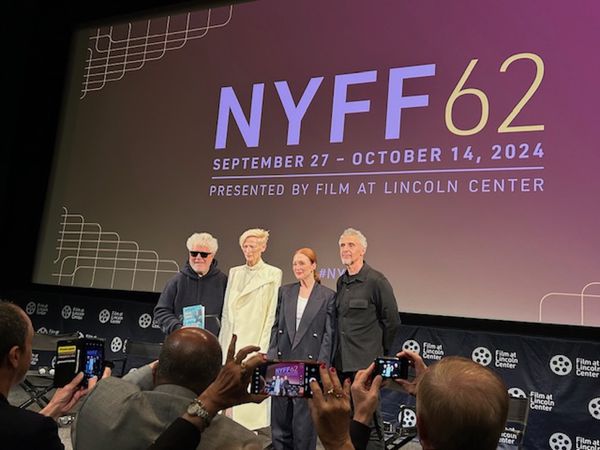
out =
column 197, row 408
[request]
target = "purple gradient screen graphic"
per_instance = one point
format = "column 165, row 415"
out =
column 461, row 140
column 293, row 372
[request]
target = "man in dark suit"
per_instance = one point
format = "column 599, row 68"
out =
column 21, row 428
column 131, row 412
column 367, row 316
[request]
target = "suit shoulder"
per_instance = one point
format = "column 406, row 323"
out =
column 235, row 270
column 288, row 287
column 325, row 291
column 273, row 269
column 111, row 387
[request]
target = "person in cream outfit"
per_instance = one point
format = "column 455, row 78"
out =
column 249, row 312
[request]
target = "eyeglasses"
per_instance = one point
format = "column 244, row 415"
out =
column 193, row 254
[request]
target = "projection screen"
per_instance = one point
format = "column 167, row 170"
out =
column 459, row 137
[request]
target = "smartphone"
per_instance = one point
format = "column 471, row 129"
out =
column 391, row 367
column 78, row 355
column 285, row 378
column 94, row 357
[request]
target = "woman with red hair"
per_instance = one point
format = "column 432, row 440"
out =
column 303, row 330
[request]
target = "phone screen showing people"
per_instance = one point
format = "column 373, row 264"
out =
column 285, row 378
column 94, row 357
column 391, row 367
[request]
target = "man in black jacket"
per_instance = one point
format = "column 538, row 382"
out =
column 200, row 282
column 367, row 315
column 21, row 428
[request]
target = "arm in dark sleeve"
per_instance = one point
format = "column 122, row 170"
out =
column 180, row 435
column 387, row 313
column 359, row 435
column 164, row 311
column 274, row 342
column 46, row 436
column 327, row 346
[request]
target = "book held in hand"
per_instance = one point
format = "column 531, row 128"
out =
column 193, row 316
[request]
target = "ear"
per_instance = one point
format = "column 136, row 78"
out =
column 13, row 357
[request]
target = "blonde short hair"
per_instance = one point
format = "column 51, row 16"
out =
column 203, row 240
column 258, row 233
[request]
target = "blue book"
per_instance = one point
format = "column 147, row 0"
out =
column 193, row 316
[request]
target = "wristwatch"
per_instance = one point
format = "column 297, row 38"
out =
column 196, row 408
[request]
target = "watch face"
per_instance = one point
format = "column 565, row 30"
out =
column 193, row 408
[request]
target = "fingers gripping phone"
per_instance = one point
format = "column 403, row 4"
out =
column 285, row 378
column 391, row 367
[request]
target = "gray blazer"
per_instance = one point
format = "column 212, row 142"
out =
column 314, row 338
column 121, row 414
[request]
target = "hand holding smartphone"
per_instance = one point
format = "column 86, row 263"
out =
column 78, row 355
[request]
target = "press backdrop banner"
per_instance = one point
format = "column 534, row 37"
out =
column 561, row 378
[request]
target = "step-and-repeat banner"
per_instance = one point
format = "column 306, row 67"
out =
column 561, row 378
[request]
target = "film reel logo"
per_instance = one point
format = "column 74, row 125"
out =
column 412, row 346
column 560, row 441
column 145, row 320
column 104, row 316
column 66, row 312
column 407, row 418
column 516, row 392
column 116, row 344
column 482, row 355
column 561, row 365
column 30, row 308
column 594, row 408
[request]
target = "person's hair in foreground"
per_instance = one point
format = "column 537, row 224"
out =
column 13, row 329
column 461, row 405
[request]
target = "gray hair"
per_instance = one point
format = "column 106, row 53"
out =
column 352, row 232
column 203, row 240
column 258, row 233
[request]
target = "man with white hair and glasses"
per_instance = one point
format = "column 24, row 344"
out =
column 200, row 282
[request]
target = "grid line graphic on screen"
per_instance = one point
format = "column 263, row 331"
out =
column 110, row 57
column 567, row 299
column 89, row 256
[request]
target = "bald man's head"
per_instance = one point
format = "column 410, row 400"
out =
column 190, row 357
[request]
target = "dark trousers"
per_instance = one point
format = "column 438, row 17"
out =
column 291, row 425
